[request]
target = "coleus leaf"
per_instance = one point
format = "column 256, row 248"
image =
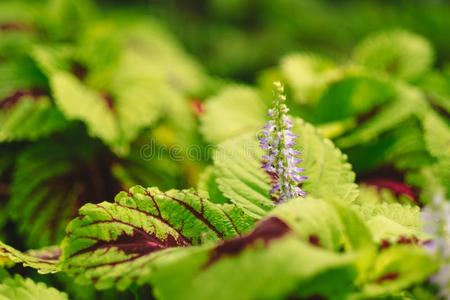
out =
column 26, row 112
column 157, row 156
column 45, row 260
column 51, row 181
column 20, row 74
column 400, row 53
column 235, row 110
column 307, row 75
column 147, row 164
column 160, row 51
column 26, row 289
column 241, row 178
column 28, row 115
column 18, row 29
column 398, row 268
column 437, row 135
column 207, row 182
column 325, row 224
column 354, row 96
column 117, row 243
column 435, row 175
column 402, row 148
column 114, row 112
column 268, row 263
column 407, row 102
column 389, row 222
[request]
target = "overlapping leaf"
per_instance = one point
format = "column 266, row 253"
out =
column 113, row 96
column 235, row 110
column 408, row 102
column 398, row 268
column 26, row 289
column 28, row 118
column 117, row 243
column 242, row 180
column 437, row 138
column 268, row 263
column 354, row 96
column 399, row 53
column 308, row 75
column 44, row 260
column 324, row 224
column 389, row 221
column 51, row 181
column 208, row 182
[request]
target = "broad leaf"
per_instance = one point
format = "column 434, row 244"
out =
column 330, row 176
column 268, row 263
column 353, row 97
column 26, row 115
column 437, row 135
column 398, row 268
column 436, row 176
column 19, row 288
column 399, row 53
column 117, row 243
column 241, row 178
column 235, row 110
column 51, row 181
column 115, row 109
column 308, row 75
column 324, row 224
column 408, row 102
column 208, row 182
column 44, row 260
column 389, row 221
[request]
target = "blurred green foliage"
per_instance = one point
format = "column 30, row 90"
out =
column 97, row 97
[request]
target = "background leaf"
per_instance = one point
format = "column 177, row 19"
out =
column 26, row 289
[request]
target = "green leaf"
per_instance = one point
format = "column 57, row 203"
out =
column 159, row 51
column 116, row 243
column 330, row 176
column 308, row 75
column 116, row 109
column 147, row 164
column 435, row 175
column 208, row 182
column 268, row 263
column 437, row 135
column 241, row 178
column 19, row 74
column 403, row 147
column 65, row 19
column 325, row 224
column 16, row 43
column 235, row 110
column 19, row 288
column 400, row 53
column 44, row 260
column 29, row 118
column 398, row 268
column 389, row 221
column 355, row 95
column 51, row 181
column 408, row 102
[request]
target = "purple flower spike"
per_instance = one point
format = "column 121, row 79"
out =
column 436, row 217
column 280, row 161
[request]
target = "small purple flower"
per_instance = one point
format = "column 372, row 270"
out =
column 436, row 218
column 281, row 161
